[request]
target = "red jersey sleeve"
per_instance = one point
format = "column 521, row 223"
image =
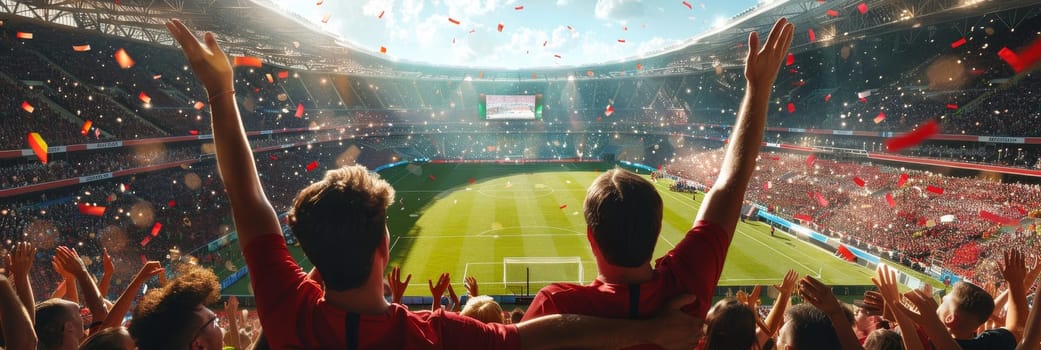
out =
column 696, row 263
column 461, row 332
column 281, row 288
column 541, row 305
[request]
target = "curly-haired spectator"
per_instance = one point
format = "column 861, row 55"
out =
column 176, row 317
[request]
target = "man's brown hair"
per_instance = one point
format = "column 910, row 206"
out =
column 165, row 317
column 624, row 210
column 340, row 221
column 973, row 300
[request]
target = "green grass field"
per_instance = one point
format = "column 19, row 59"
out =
column 444, row 223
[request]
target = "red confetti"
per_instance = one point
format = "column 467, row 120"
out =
column 934, row 189
column 383, row 49
column 248, row 61
column 812, row 34
column 24, row 35
column 791, row 107
column 381, row 15
column 144, row 242
column 157, row 77
column 1026, row 58
column 860, row 182
column 998, row 219
column 562, row 206
column 171, row 203
column 472, row 180
column 639, row 66
column 881, row 117
column 501, row 26
column 803, row 217
column 902, row 181
column 155, row 228
column 890, row 200
column 621, row 40
column 312, row 166
column 590, row 73
column 92, row 210
column 299, row 110
column 270, row 79
column 957, row 43
column 144, row 97
column 557, row 55
column 39, row 146
column 767, row 185
column 569, row 28
column 534, row 75
column 952, row 106
column 862, row 8
column 833, row 13
column 609, row 111
column 28, row 107
column 827, row 97
column 319, row 3
column 688, row 5
column 625, row 28
column 432, row 177
column 199, row 105
column 272, row 157
column 544, row 43
column 326, row 17
column 81, row 48
column 193, row 132
column 821, row 200
column 518, row 8
column 790, row 60
column 86, row 127
column 811, row 159
column 914, row 137
column 283, row 74
column 123, row 58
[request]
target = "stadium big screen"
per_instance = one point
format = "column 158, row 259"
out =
column 510, row 107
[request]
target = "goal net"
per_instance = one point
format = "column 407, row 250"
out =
column 541, row 270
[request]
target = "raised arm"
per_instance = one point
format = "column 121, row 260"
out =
column 21, row 262
column 71, row 262
column 106, row 278
column 438, row 290
column 231, row 309
column 397, row 286
column 1015, row 272
column 885, row 280
column 70, row 292
column 820, row 295
column 122, row 305
column 776, row 316
column 16, row 326
column 250, row 208
column 1032, row 333
column 672, row 329
column 723, row 203
column 926, row 318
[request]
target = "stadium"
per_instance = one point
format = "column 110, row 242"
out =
column 900, row 133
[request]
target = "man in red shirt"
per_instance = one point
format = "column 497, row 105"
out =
column 341, row 225
column 623, row 215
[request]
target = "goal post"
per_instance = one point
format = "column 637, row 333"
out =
column 542, row 270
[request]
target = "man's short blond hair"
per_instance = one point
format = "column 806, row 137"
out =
column 483, row 308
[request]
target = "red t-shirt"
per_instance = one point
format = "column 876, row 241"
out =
column 295, row 315
column 692, row 267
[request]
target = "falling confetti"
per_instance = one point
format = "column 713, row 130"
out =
column 556, row 55
column 26, row 106
column 791, row 107
column 952, row 106
column 312, row 166
column 890, row 200
column 914, row 137
column 862, row 7
column 24, row 35
column 688, row 5
column 92, row 210
column 609, row 111
column 453, row 20
column 144, row 97
column 283, row 74
column 934, row 189
column 155, row 228
column 881, row 117
column 827, row 97
column 833, row 13
column 326, row 16
column 621, row 40
column 383, row 49
column 811, row 159
column 199, row 105
column 958, row 43
column 247, row 61
column 562, row 206
column 81, row 48
column 812, row 34
column 860, row 182
column 902, row 181
column 639, row 66
column 381, row 15
column 299, row 110
column 86, row 127
column 790, row 60
column 123, row 58
column 39, row 146
column 501, row 26
column 518, row 8
column 270, row 79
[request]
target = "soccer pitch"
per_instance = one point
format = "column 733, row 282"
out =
column 443, row 223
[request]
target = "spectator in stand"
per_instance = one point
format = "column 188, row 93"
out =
column 113, row 338
column 16, row 324
column 623, row 215
column 883, row 339
column 58, row 325
column 176, row 317
column 730, row 325
column 341, row 225
column 807, row 327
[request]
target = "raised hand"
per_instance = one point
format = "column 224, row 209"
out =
column 231, row 307
column 70, row 261
column 753, row 298
column 820, row 295
column 1014, row 268
column 453, row 299
column 471, row 286
column 397, row 287
column 107, row 262
column 208, row 61
column 874, row 303
column 762, row 63
column 21, row 260
column 438, row 290
column 149, row 269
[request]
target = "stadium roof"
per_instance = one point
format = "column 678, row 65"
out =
column 260, row 28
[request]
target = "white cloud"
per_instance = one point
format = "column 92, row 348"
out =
column 563, row 2
column 619, row 10
column 410, row 10
column 470, row 8
column 655, row 44
column 427, row 32
column 374, row 7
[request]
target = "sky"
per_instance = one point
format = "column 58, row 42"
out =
column 534, row 34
